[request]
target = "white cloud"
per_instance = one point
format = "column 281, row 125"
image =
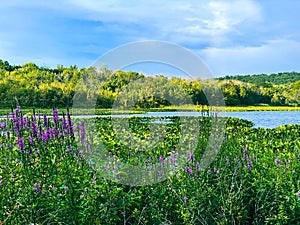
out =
column 268, row 58
column 176, row 20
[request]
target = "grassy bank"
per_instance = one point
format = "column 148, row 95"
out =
column 227, row 108
column 100, row 111
column 48, row 111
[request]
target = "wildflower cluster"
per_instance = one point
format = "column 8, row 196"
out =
column 32, row 133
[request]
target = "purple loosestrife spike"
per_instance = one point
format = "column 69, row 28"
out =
column 1, row 182
column 18, row 109
column 55, row 115
column 189, row 170
column 33, row 127
column 45, row 137
column 21, row 143
column 197, row 166
column 250, row 165
column 161, row 159
column 277, row 161
column 64, row 123
column 2, row 125
column 192, row 157
column 245, row 150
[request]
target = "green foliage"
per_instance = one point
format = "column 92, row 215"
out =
column 32, row 86
column 45, row 179
column 266, row 79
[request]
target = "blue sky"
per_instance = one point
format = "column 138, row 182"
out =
column 232, row 37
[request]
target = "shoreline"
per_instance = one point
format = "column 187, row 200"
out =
column 199, row 108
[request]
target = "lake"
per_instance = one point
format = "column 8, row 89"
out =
column 265, row 119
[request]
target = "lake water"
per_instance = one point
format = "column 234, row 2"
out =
column 268, row 119
column 265, row 119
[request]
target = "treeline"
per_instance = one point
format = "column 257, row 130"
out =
column 32, row 86
column 265, row 79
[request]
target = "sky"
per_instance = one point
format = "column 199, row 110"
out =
column 231, row 36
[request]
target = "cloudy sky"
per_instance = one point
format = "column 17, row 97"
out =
column 232, row 37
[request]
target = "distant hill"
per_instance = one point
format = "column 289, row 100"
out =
column 279, row 78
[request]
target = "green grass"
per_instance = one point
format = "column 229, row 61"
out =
column 228, row 108
column 48, row 111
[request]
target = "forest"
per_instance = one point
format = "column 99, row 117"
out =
column 29, row 85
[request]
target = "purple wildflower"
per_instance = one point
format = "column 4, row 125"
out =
column 21, row 143
column 250, row 165
column 245, row 150
column 36, row 187
column 161, row 159
column 1, row 182
column 192, row 157
column 237, row 158
column 197, row 166
column 189, row 170
column 82, row 132
column 277, row 160
column 33, row 127
column 185, row 198
column 45, row 136
column 46, row 121
column 2, row 125
column 173, row 159
column 18, row 109
column 298, row 194
column 64, row 123
column 30, row 139
column 215, row 170
column 55, row 115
